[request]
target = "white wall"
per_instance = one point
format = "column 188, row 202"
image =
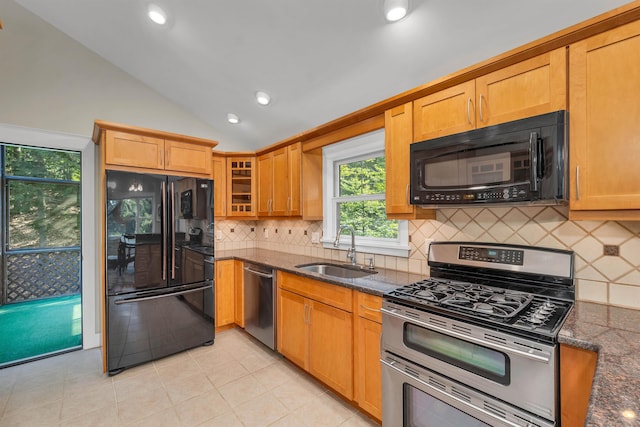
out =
column 50, row 81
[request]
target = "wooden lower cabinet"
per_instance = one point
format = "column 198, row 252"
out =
column 331, row 346
column 239, row 293
column 314, row 335
column 225, row 292
column 367, row 368
column 293, row 330
column 577, row 368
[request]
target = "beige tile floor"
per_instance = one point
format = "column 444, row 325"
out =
column 235, row 382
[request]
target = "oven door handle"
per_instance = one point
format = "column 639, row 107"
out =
column 532, row 356
column 462, row 402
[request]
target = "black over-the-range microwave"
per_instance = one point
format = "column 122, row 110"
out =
column 523, row 161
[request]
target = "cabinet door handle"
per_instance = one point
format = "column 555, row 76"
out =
column 480, row 107
column 173, row 231
column 578, row 182
column 164, row 230
column 310, row 307
column 375, row 310
column 406, row 194
column 469, row 110
column 304, row 316
column 288, row 204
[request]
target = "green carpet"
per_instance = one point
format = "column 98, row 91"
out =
column 29, row 329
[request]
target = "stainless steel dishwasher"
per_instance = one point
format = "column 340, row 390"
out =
column 260, row 303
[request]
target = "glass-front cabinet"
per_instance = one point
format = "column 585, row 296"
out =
column 241, row 186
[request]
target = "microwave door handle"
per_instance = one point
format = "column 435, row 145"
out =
column 541, row 165
column 533, row 155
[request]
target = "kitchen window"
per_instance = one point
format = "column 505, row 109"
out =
column 354, row 175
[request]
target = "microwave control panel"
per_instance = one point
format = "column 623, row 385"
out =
column 513, row 193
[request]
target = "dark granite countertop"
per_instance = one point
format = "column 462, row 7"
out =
column 376, row 284
column 614, row 333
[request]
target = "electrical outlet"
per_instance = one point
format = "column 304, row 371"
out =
column 315, row 237
column 611, row 250
column 265, row 232
column 219, row 234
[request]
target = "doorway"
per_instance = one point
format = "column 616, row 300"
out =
column 40, row 251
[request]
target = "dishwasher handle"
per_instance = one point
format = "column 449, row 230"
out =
column 258, row 273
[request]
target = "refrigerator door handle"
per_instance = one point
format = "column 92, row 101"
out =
column 173, row 234
column 164, row 231
column 161, row 295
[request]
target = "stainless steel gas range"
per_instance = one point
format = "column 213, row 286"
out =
column 476, row 343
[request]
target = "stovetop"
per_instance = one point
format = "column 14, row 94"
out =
column 510, row 309
column 512, row 288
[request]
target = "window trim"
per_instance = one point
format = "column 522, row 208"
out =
column 353, row 149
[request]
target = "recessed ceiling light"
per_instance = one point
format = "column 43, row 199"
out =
column 156, row 14
column 263, row 98
column 395, row 10
column 233, row 119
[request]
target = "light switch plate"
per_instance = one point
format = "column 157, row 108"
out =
column 219, row 234
column 315, row 237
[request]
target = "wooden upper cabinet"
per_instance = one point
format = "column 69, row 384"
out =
column 528, row 88
column 398, row 137
column 265, row 183
column 133, row 150
column 219, row 166
column 279, row 182
column 294, row 159
column 604, row 126
column 449, row 111
column 311, row 185
column 184, row 156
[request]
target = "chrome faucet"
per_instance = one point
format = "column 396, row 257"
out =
column 351, row 252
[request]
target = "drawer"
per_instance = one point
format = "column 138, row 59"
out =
column 333, row 295
column 368, row 306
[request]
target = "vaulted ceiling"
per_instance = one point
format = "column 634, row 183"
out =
column 318, row 59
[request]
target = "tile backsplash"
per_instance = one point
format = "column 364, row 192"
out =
column 601, row 278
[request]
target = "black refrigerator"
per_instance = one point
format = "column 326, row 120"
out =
column 159, row 266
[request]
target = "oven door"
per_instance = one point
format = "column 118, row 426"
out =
column 412, row 396
column 518, row 371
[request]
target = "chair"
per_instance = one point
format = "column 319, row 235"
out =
column 126, row 252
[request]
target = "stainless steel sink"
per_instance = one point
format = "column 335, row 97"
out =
column 337, row 270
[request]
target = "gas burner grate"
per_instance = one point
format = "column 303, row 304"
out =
column 467, row 297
